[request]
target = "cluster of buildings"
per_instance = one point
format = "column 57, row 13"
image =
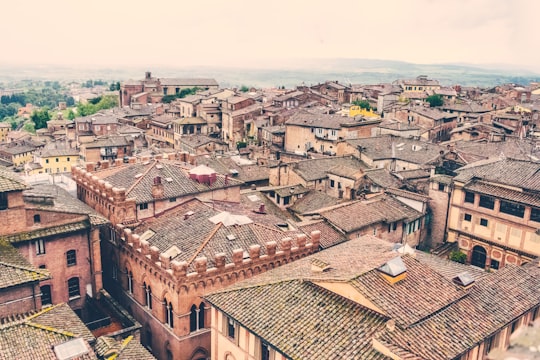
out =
column 279, row 224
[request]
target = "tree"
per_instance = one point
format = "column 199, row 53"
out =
column 435, row 100
column 364, row 104
column 40, row 118
column 458, row 256
column 71, row 114
column 244, row 88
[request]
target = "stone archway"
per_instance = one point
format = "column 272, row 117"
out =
column 479, row 256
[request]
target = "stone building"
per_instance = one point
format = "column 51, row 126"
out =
column 494, row 212
column 160, row 269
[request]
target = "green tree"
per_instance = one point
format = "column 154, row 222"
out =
column 40, row 118
column 71, row 114
column 458, row 256
column 244, row 88
column 29, row 127
column 435, row 100
column 364, row 104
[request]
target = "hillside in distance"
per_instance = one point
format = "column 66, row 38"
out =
column 263, row 74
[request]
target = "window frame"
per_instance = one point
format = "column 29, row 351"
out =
column 487, row 202
column 40, row 246
column 49, row 297
column 467, row 196
column 484, row 222
column 511, row 208
column 71, row 257
column 74, row 289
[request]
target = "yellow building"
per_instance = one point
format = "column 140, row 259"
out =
column 494, row 213
column 17, row 154
column 5, row 128
column 54, row 161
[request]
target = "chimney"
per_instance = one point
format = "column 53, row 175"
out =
column 158, row 190
column 262, row 210
column 226, row 179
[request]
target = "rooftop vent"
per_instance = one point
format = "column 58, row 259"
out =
column 159, row 166
column 138, row 175
column 231, row 237
column 394, row 270
column 319, row 265
column 70, row 349
column 464, row 279
column 188, row 214
column 169, row 179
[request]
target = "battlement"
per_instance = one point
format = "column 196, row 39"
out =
column 242, row 259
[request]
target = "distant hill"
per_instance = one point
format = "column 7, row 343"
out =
column 307, row 71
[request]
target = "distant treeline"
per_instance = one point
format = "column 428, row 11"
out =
column 47, row 97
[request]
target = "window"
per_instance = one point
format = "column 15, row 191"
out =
column 37, row 219
column 486, row 202
column 148, row 298
column 40, row 246
column 71, row 257
column 494, row 264
column 130, row 282
column 114, row 272
column 484, row 222
column 143, row 206
column 193, row 319
column 73, row 288
column 173, row 199
column 266, row 351
column 441, row 187
column 46, row 161
column 535, row 214
column 56, row 159
column 467, row 217
column 3, row 200
column 68, row 160
column 332, row 183
column 512, row 209
column 46, row 297
column 231, row 328
column 469, row 197
column 169, row 315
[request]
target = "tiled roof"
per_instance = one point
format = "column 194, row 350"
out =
column 492, row 303
column 526, row 198
column 357, row 215
column 126, row 349
column 410, row 150
column 510, row 148
column 291, row 190
column 46, row 232
column 448, row 268
column 58, row 152
column 195, row 235
column 422, row 292
column 518, row 173
column 433, row 113
column 382, row 177
column 198, row 140
column 15, row 269
column 326, row 121
column 345, row 171
column 248, row 172
column 303, row 321
column 62, row 201
column 9, row 181
column 412, row 174
column 34, row 336
column 329, row 235
column 407, row 194
column 107, row 141
column 140, row 186
column 312, row 202
column 315, row 169
column 17, row 149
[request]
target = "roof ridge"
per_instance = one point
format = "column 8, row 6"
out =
column 205, row 242
column 44, row 273
column 141, row 177
column 50, row 329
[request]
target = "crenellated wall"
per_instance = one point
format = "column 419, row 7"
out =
column 182, row 285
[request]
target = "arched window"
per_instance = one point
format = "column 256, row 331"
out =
column 193, row 321
column 169, row 315
column 478, row 257
column 73, row 287
column 71, row 258
column 130, row 282
column 148, row 296
column 201, row 316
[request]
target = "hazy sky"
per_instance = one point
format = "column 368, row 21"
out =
column 239, row 32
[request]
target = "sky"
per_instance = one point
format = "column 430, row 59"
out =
column 269, row 33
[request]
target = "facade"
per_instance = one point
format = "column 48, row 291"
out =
column 349, row 303
column 161, row 268
column 494, row 212
column 321, row 133
column 138, row 191
column 53, row 231
column 156, row 88
column 54, row 161
column 106, row 149
column 5, row 128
